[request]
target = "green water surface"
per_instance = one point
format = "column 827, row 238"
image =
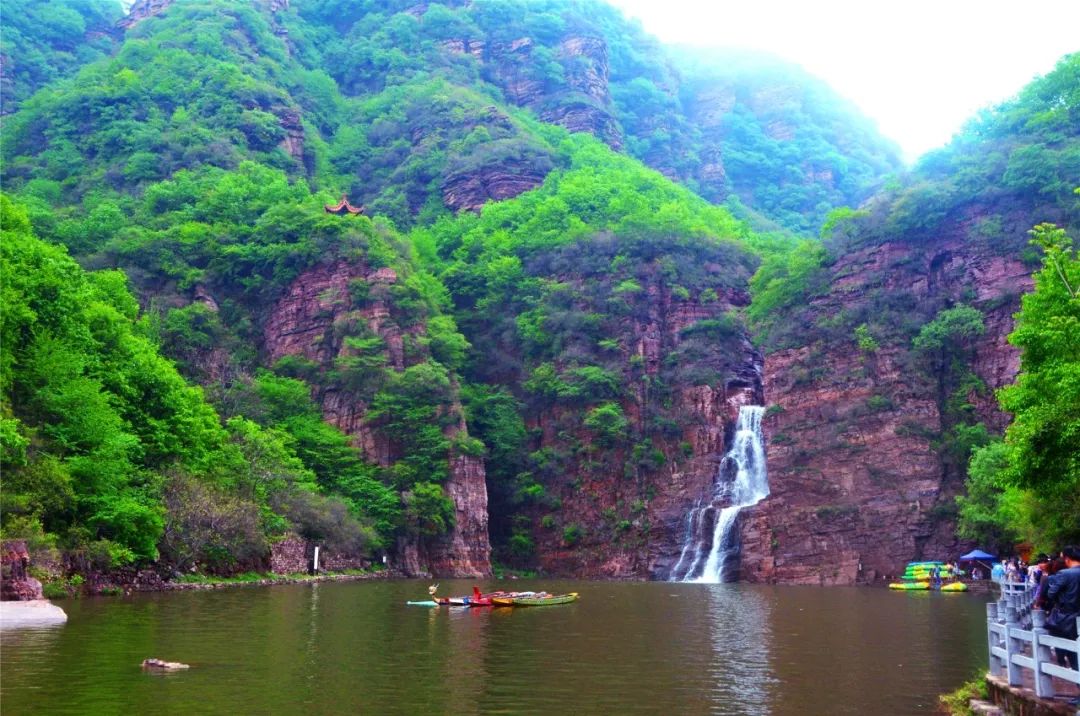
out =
column 643, row 648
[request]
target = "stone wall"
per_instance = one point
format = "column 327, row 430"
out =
column 336, row 562
column 295, row 554
column 289, row 556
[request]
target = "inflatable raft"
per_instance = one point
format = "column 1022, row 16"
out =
column 909, row 585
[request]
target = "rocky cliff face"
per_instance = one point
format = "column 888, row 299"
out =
column 583, row 104
column 627, row 505
column 472, row 188
column 140, row 10
column 857, row 484
column 15, row 583
column 311, row 320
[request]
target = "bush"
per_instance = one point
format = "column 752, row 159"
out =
column 957, row 703
column 209, row 529
column 572, row 534
column 608, row 422
column 55, row 590
column 428, row 510
column 326, row 520
column 878, row 403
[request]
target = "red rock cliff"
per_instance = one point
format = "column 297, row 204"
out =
column 857, row 487
column 311, row 319
column 629, row 506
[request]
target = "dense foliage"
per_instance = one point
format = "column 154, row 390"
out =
column 43, row 41
column 1027, row 486
column 108, row 450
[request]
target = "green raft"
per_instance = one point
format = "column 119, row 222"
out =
column 909, row 585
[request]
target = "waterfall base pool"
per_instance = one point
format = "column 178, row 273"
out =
column 646, row 648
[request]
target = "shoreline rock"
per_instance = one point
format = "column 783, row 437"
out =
column 30, row 613
column 161, row 665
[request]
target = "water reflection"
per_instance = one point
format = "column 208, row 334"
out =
column 740, row 620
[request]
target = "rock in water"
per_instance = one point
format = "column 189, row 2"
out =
column 159, row 665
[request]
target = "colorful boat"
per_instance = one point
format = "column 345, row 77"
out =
column 954, row 587
column 447, row 601
column 452, row 601
column 479, row 599
column 540, row 599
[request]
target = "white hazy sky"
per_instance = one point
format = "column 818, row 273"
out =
column 919, row 68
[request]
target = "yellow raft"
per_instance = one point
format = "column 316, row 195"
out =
column 909, row 585
column 954, row 587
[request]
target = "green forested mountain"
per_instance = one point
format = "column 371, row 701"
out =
column 44, row 41
column 567, row 306
column 403, row 104
column 790, row 147
column 1012, row 167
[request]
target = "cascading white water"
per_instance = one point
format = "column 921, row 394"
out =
column 702, row 558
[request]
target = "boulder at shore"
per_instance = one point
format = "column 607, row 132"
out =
column 34, row 613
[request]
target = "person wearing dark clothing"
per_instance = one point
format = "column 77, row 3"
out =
column 1063, row 596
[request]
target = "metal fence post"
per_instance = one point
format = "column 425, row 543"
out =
column 1044, row 685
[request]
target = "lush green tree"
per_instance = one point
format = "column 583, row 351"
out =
column 1029, row 485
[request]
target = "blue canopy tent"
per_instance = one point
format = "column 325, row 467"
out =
column 979, row 557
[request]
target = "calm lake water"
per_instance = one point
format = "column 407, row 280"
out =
column 356, row 648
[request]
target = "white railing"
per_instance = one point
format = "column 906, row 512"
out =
column 1017, row 637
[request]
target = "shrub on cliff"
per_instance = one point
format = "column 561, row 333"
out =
column 44, row 41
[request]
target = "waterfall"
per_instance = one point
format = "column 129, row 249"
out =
column 711, row 537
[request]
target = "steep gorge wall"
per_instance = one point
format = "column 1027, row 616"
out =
column 631, row 515
column 311, row 320
column 858, row 486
